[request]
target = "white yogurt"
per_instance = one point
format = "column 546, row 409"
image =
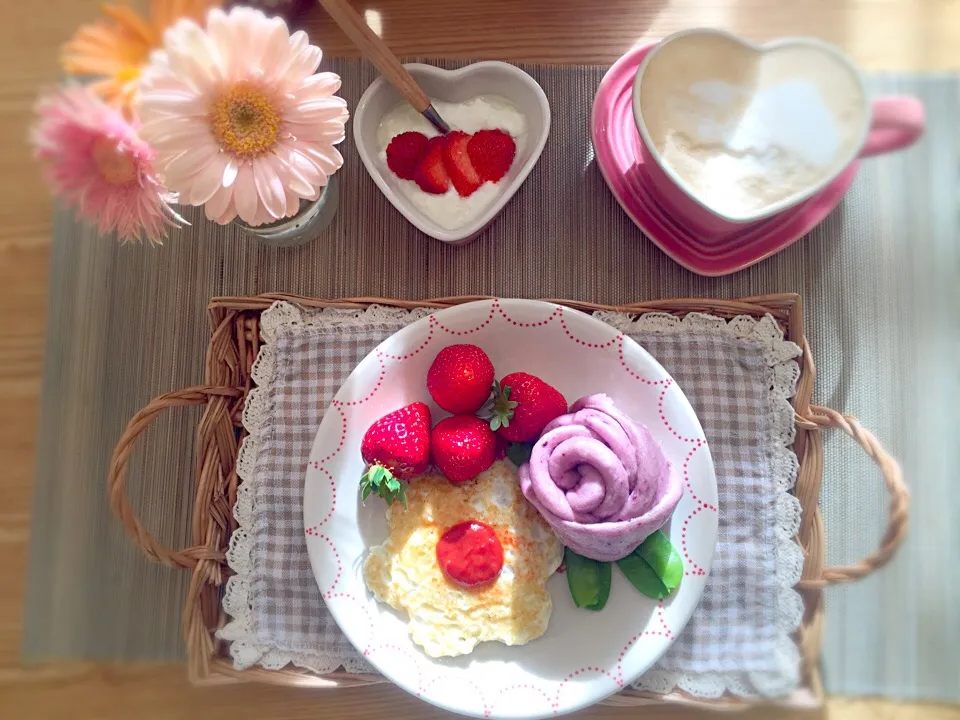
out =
column 486, row 112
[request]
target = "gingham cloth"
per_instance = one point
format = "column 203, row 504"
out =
column 727, row 379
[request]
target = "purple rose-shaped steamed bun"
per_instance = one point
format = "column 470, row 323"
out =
column 600, row 480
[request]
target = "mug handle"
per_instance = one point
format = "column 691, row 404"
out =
column 896, row 122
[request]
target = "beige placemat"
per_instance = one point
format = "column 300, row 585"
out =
column 127, row 323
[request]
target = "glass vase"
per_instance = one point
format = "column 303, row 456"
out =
column 313, row 217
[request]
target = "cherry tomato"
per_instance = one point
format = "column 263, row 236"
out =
column 470, row 554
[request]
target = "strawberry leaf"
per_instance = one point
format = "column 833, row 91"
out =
column 519, row 453
column 503, row 407
column 381, row 481
column 499, row 408
column 486, row 410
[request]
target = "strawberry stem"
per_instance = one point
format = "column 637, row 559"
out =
column 380, row 481
column 499, row 408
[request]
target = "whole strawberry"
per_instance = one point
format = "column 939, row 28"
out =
column 460, row 378
column 463, row 446
column 522, row 406
column 396, row 447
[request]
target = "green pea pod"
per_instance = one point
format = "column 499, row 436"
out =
column 589, row 580
column 654, row 568
column 664, row 558
column 642, row 576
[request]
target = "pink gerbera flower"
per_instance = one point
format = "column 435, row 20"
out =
column 97, row 165
column 240, row 122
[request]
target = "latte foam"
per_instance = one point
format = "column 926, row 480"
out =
column 745, row 131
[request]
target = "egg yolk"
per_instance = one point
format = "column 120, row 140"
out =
column 470, row 554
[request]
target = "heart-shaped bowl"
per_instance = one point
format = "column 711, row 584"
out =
column 708, row 86
column 488, row 78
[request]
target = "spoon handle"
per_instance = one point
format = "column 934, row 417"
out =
column 376, row 51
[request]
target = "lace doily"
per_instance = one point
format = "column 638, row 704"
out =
column 783, row 375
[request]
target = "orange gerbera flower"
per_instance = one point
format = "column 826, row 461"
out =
column 117, row 48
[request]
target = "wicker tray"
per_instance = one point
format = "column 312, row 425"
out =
column 235, row 342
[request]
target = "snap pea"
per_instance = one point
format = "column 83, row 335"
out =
column 654, row 568
column 589, row 580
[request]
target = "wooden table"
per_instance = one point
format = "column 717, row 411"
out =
column 896, row 35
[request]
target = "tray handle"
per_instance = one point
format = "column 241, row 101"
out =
column 823, row 417
column 117, row 477
column 820, row 418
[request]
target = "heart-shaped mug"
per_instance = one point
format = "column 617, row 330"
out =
column 734, row 133
column 481, row 79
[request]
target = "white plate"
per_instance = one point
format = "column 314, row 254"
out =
column 584, row 656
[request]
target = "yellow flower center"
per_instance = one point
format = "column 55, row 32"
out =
column 245, row 121
column 130, row 73
column 115, row 167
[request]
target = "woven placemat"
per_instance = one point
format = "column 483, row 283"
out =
column 128, row 323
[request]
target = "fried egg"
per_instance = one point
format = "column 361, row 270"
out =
column 444, row 618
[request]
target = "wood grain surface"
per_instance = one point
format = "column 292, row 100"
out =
column 896, row 35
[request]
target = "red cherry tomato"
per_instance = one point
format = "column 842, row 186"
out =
column 470, row 554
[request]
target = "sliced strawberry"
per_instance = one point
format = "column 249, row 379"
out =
column 491, row 153
column 405, row 152
column 461, row 171
column 431, row 175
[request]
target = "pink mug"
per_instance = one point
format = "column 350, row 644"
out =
column 895, row 123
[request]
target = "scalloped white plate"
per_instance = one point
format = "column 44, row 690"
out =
column 584, row 656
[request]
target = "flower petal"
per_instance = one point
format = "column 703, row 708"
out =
column 208, row 180
column 262, row 217
column 171, row 133
column 217, row 205
column 320, row 110
column 221, row 34
column 325, row 83
column 288, row 172
column 327, row 158
column 169, row 102
column 304, row 64
column 293, row 204
column 298, row 42
column 269, row 187
column 183, row 168
column 331, row 133
column 229, row 214
column 275, row 47
column 193, row 52
column 230, row 171
column 305, row 168
column 245, row 193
